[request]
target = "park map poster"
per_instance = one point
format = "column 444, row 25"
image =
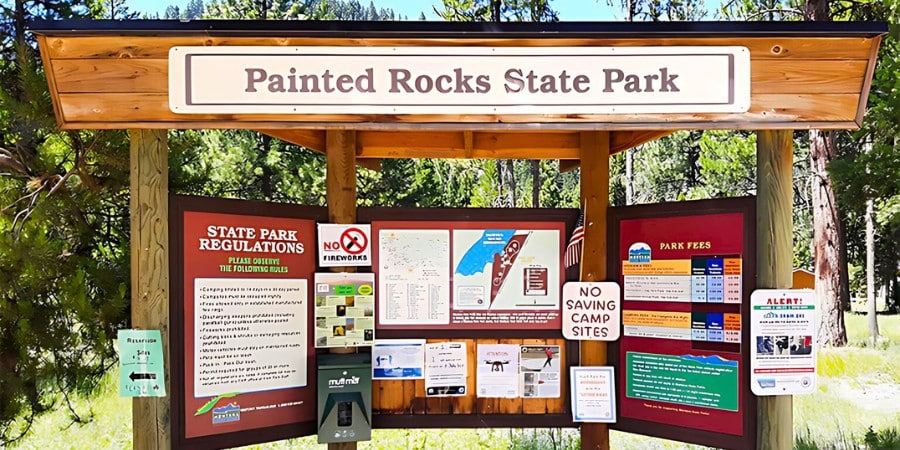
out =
column 248, row 356
column 681, row 360
column 468, row 275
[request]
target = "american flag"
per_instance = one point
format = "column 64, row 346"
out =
column 573, row 250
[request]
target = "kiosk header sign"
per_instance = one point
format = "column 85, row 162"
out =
column 783, row 329
column 459, row 80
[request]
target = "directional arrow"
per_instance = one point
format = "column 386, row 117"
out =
column 142, row 376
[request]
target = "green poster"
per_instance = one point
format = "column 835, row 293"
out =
column 141, row 372
column 708, row 381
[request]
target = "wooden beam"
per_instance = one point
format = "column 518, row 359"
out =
column 595, row 201
column 340, row 195
column 311, row 139
column 767, row 111
column 774, row 245
column 157, row 47
column 620, row 141
column 867, row 80
column 467, row 144
column 150, row 273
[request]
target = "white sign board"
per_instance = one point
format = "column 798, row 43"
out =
column 591, row 311
column 783, row 335
column 458, row 80
column 593, row 394
column 345, row 245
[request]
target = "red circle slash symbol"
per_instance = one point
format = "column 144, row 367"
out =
column 354, row 241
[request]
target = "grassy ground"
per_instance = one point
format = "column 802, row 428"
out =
column 859, row 387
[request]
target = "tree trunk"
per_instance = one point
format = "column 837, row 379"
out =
column 535, row 183
column 629, row 176
column 511, row 181
column 829, row 244
column 871, row 308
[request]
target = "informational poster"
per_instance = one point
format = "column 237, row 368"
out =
column 469, row 275
column 243, row 329
column 505, row 269
column 681, row 355
column 783, row 331
column 498, row 370
column 593, row 394
column 413, row 276
column 446, row 369
column 540, row 369
column 345, row 309
column 245, row 344
column 398, row 359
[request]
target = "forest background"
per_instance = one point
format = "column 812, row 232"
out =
column 64, row 218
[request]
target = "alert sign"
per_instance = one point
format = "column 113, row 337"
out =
column 591, row 311
column 344, row 245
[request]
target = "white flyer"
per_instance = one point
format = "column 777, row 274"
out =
column 593, row 394
column 398, row 359
column 539, row 371
column 446, row 369
column 498, row 370
column 783, row 331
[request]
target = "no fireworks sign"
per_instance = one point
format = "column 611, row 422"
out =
column 344, row 245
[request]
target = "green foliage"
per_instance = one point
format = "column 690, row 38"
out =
column 886, row 439
column 497, row 10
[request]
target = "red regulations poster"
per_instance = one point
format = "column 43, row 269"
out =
column 682, row 361
column 468, row 275
column 248, row 358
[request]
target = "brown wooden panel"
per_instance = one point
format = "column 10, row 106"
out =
column 151, row 76
column 112, row 75
column 131, row 110
column 158, row 47
column 807, row 76
column 51, row 79
column 449, row 144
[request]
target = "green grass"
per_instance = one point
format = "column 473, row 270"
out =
column 853, row 406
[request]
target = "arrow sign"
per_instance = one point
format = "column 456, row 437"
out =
column 142, row 376
column 144, row 373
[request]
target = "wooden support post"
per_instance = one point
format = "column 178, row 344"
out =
column 150, row 273
column 340, row 195
column 595, row 201
column 774, row 245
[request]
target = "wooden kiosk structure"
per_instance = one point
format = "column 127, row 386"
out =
column 117, row 75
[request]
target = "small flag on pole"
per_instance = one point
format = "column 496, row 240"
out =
column 573, row 250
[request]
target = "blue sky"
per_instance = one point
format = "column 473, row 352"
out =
column 568, row 9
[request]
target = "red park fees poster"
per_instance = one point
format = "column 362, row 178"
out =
column 681, row 347
column 468, row 275
column 248, row 353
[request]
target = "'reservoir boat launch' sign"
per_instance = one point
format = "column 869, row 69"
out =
column 459, row 80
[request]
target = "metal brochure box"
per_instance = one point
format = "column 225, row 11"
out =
column 345, row 397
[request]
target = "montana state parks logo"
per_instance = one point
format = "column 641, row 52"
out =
column 639, row 252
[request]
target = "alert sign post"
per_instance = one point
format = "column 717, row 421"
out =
column 344, row 245
column 590, row 311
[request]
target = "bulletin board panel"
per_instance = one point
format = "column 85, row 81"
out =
column 687, row 270
column 241, row 274
column 404, row 403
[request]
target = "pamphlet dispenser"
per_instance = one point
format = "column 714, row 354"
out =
column 345, row 397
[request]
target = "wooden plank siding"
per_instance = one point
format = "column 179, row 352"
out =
column 122, row 82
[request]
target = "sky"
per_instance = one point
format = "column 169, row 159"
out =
column 569, row 10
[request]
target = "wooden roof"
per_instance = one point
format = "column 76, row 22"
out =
column 114, row 74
